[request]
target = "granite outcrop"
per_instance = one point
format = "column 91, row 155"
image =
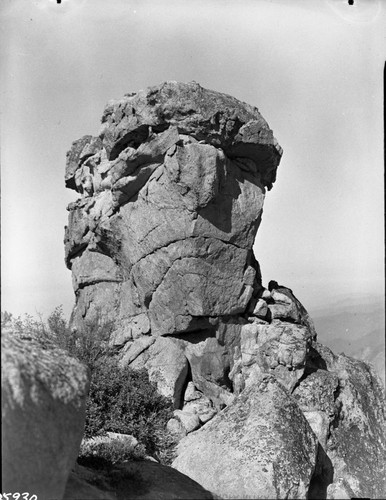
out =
column 161, row 243
column 172, row 195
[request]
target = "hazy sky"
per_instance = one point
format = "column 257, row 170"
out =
column 314, row 69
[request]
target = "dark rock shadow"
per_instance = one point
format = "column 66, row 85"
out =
column 322, row 477
column 314, row 361
column 194, row 337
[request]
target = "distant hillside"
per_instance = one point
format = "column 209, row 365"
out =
column 355, row 326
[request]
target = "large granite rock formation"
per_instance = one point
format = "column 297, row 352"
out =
column 160, row 242
column 173, row 190
column 43, row 396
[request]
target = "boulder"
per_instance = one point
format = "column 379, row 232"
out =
column 43, row 411
column 196, row 402
column 261, row 446
column 191, row 393
column 189, row 419
column 176, row 428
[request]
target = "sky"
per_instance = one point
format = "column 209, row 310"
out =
column 313, row 68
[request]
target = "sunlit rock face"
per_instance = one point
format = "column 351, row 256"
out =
column 172, row 196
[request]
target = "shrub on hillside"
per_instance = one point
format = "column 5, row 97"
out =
column 88, row 344
column 26, row 324
column 125, row 401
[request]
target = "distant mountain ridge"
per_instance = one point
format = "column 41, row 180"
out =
column 355, row 326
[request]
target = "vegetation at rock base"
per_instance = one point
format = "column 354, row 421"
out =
column 120, row 400
column 99, row 453
column 125, row 401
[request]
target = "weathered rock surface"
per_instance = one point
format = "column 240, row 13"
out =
column 43, row 411
column 259, row 447
column 280, row 348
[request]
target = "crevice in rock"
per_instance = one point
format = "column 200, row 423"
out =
column 338, row 407
column 188, row 378
column 185, row 239
column 302, row 378
column 289, row 320
column 195, row 336
column 81, row 286
column 315, row 361
column 161, row 127
column 134, row 139
column 150, row 294
column 323, row 476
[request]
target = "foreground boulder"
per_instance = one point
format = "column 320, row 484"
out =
column 43, row 410
column 261, row 446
